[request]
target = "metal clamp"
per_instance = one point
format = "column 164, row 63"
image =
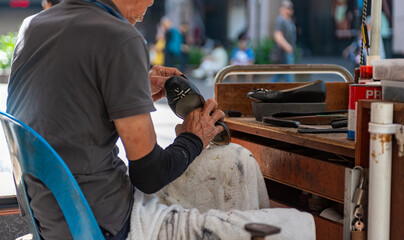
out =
column 378, row 128
column 284, row 68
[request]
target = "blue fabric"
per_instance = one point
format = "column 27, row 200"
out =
column 174, row 42
column 239, row 59
column 108, row 9
column 250, row 54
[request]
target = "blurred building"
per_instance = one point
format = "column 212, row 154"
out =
column 325, row 27
column 316, row 23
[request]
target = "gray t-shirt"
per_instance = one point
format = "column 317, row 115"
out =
column 288, row 28
column 77, row 68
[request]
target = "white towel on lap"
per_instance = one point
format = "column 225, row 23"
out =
column 221, row 179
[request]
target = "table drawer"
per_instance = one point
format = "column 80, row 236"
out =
column 319, row 177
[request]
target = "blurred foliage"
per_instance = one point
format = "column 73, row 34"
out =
column 262, row 50
column 7, row 44
column 195, row 55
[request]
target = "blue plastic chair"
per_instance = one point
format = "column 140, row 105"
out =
column 31, row 154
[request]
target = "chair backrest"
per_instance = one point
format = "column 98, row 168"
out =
column 31, row 154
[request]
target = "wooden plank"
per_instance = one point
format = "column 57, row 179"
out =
column 397, row 194
column 362, row 134
column 312, row 175
column 277, row 204
column 327, row 229
column 233, row 96
column 397, row 183
column 335, row 143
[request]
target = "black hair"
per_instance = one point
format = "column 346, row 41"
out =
column 243, row 36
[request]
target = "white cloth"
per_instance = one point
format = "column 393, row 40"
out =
column 219, row 181
column 222, row 178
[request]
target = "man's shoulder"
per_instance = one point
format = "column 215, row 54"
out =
column 114, row 28
column 89, row 19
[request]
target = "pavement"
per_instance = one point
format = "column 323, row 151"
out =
column 6, row 179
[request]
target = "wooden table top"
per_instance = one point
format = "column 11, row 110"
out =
column 331, row 142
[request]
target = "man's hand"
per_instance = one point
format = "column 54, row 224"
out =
column 158, row 76
column 201, row 122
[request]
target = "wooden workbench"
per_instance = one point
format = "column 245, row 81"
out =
column 292, row 162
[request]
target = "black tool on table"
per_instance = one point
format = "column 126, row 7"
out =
column 309, row 97
column 306, row 122
column 183, row 97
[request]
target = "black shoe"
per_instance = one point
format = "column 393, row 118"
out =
column 183, row 97
column 312, row 92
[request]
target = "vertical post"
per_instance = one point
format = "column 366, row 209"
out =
column 376, row 15
column 380, row 171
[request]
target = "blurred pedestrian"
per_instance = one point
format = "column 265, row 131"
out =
column 211, row 64
column 385, row 29
column 157, row 50
column 186, row 43
column 285, row 38
column 172, row 50
column 342, row 17
column 242, row 54
column 352, row 52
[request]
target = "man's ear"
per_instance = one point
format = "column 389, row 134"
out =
column 48, row 5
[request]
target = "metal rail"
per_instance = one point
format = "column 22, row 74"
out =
column 284, row 69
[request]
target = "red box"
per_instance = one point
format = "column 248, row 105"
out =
column 356, row 92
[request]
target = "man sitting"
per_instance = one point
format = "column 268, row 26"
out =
column 80, row 78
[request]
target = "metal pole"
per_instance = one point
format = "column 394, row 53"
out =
column 381, row 129
column 284, row 68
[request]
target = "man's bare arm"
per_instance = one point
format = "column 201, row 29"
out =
column 137, row 135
